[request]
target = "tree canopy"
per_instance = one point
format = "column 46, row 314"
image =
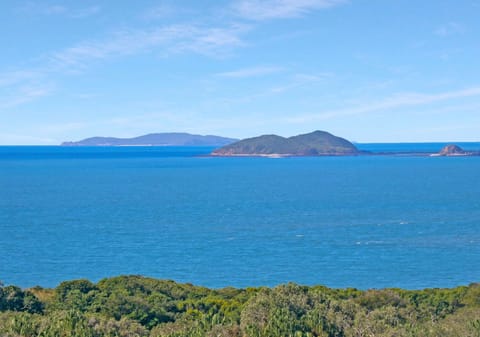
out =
column 140, row 306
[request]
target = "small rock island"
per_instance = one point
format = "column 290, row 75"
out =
column 454, row 150
column 317, row 143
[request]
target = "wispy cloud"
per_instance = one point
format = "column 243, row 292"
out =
column 204, row 38
column 451, row 28
column 15, row 77
column 85, row 96
column 159, row 12
column 36, row 8
column 171, row 39
column 251, row 72
column 299, row 80
column 259, row 10
column 396, row 101
column 22, row 86
column 24, row 94
column 86, row 12
column 288, row 83
column 209, row 41
column 54, row 9
column 119, row 44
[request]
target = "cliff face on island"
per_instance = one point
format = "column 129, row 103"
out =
column 156, row 139
column 317, row 143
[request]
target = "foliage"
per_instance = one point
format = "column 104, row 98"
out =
column 15, row 299
column 135, row 306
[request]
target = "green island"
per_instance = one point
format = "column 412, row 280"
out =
column 140, row 306
column 317, row 143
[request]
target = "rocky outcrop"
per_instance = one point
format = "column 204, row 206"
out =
column 452, row 150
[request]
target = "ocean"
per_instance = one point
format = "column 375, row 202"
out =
column 174, row 213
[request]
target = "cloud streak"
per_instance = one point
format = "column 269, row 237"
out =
column 172, row 39
column 24, row 94
column 34, row 8
column 15, row 77
column 397, row 101
column 250, row 72
column 86, row 12
column 210, row 41
column 202, row 38
column 450, row 29
column 159, row 12
column 260, row 10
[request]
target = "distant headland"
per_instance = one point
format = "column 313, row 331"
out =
column 156, row 139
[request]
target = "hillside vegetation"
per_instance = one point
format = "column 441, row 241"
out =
column 317, row 143
column 139, row 306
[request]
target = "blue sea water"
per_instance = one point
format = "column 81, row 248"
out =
column 173, row 213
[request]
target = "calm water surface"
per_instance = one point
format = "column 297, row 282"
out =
column 362, row 222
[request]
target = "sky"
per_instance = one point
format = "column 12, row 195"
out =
column 366, row 70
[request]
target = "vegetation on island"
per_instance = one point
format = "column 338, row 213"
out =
column 317, row 143
column 135, row 306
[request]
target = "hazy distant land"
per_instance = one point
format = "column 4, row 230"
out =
column 156, row 139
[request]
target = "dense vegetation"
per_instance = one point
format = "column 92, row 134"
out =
column 138, row 306
column 311, row 144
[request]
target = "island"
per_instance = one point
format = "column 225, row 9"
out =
column 156, row 139
column 452, row 150
column 317, row 143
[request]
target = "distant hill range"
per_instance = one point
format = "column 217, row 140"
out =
column 317, row 143
column 156, row 139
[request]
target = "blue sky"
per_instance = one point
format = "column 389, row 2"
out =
column 370, row 71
